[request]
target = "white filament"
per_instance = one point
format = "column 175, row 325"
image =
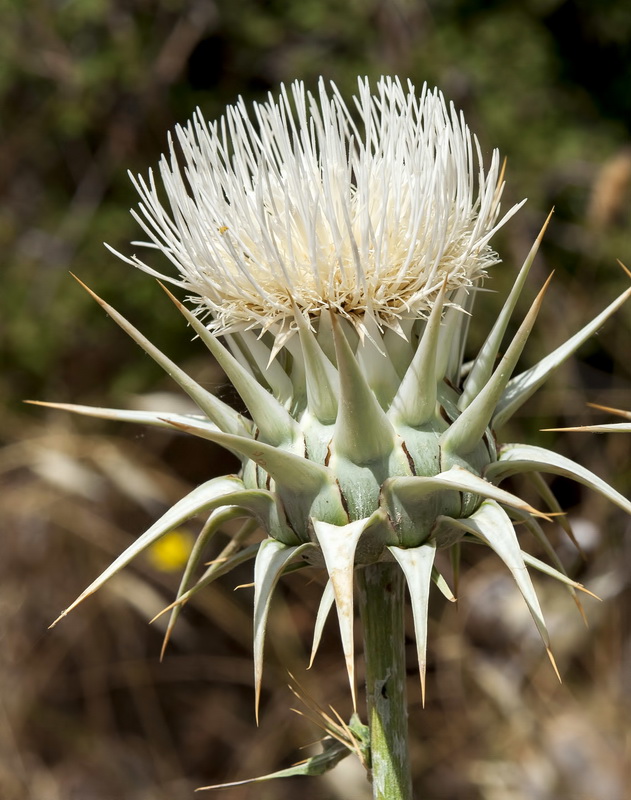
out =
column 306, row 201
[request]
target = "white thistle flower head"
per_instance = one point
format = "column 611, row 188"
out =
column 306, row 203
column 356, row 448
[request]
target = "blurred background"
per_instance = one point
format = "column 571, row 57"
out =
column 88, row 90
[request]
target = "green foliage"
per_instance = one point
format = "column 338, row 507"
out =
column 89, row 89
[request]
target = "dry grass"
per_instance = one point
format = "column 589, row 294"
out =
column 89, row 713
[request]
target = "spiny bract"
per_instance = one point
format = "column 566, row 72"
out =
column 340, row 261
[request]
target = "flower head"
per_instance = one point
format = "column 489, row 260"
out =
column 306, row 203
column 356, row 448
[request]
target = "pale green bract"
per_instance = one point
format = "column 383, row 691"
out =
column 338, row 251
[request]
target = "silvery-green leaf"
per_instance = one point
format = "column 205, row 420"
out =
column 158, row 419
column 333, row 752
column 491, row 524
column 320, row 374
column 520, row 388
column 518, row 458
column 326, row 602
column 449, row 340
column 276, row 377
column 415, row 400
column 271, row 559
column 455, row 359
column 398, row 343
column 483, row 366
column 273, row 420
column 362, row 431
column 213, row 493
column 217, row 411
column 288, row 469
column 417, row 564
column 442, row 584
column 302, row 487
column 375, row 362
column 234, row 343
column 338, row 544
column 294, row 364
column 411, row 489
column 468, row 429
column 541, row 566
column 217, row 518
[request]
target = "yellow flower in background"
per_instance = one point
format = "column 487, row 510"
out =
column 172, row 551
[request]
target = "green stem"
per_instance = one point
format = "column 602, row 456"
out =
column 381, row 599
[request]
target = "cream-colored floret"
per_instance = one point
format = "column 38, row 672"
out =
column 305, row 201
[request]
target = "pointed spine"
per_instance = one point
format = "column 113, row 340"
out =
column 415, row 401
column 492, row 525
column 463, row 435
column 362, row 431
column 414, row 489
column 417, row 564
column 338, row 545
column 375, row 363
column 326, row 603
column 321, row 376
column 483, row 366
column 291, row 471
column 157, row 419
column 274, row 422
column 210, row 495
column 523, row 386
column 221, row 414
column 271, row 560
column 519, row 458
column 271, row 370
column 612, row 427
column 617, row 411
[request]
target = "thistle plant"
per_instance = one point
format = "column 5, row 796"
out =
column 331, row 255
